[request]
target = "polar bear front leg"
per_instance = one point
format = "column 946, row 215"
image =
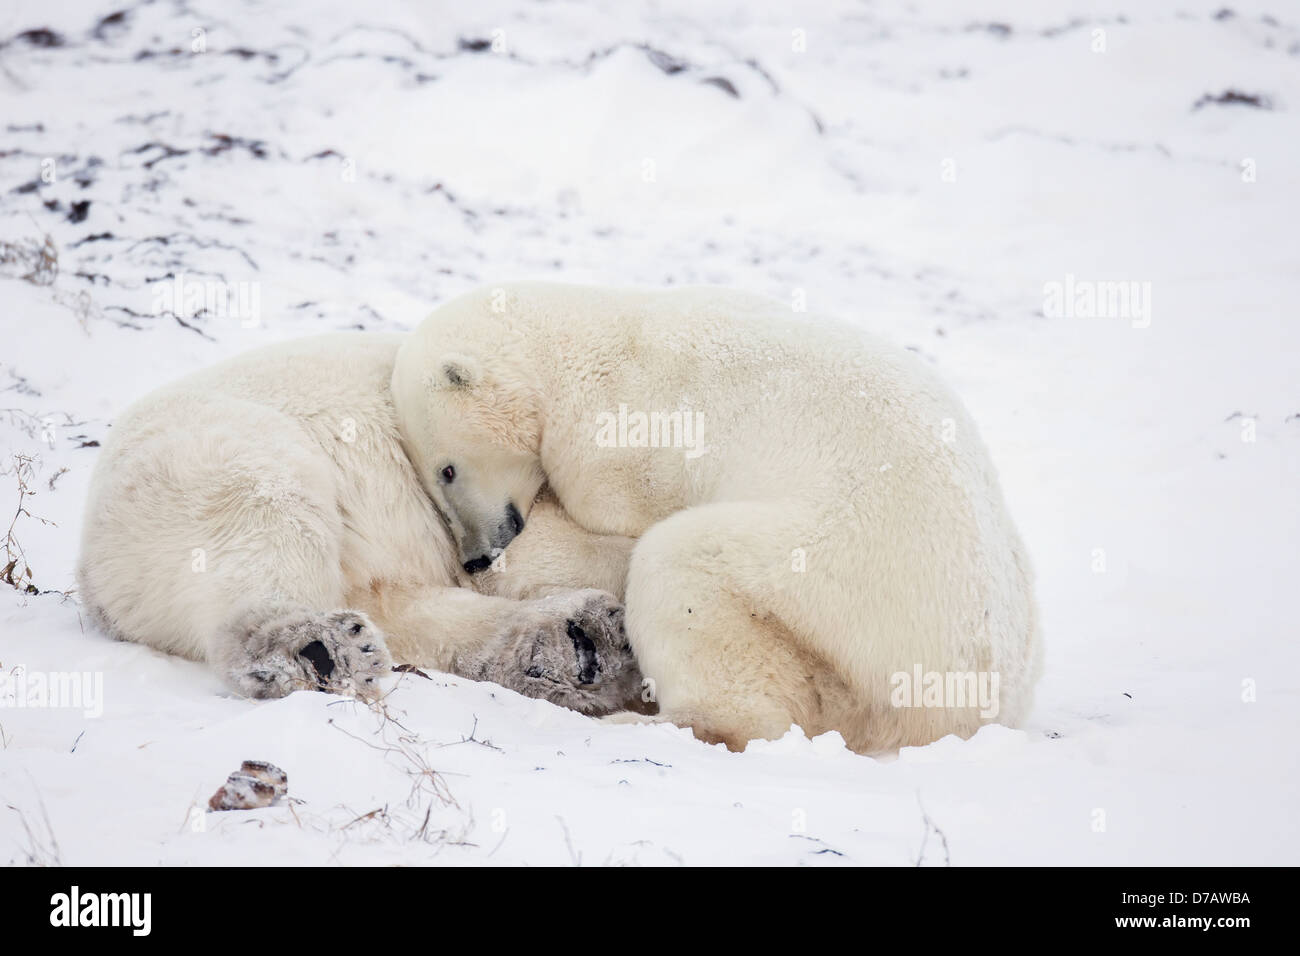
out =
column 553, row 554
column 569, row 648
column 271, row 652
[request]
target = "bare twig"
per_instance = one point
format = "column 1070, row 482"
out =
column 825, row 847
column 16, row 572
column 568, row 842
column 930, row 826
column 429, row 790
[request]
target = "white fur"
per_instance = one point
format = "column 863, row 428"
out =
column 823, row 446
column 267, row 503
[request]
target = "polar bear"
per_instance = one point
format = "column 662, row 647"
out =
column 262, row 515
column 820, row 535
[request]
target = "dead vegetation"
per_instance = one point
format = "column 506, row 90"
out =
column 429, row 814
column 41, row 847
column 41, row 426
column 32, row 260
column 16, row 571
column 931, row 827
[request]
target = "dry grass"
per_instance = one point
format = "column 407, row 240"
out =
column 42, row 847
column 32, row 260
column 428, row 815
column 16, row 572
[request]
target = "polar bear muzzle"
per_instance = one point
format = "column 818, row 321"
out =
column 505, row 532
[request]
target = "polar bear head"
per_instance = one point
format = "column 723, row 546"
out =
column 472, row 429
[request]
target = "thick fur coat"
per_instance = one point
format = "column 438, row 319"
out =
column 820, row 533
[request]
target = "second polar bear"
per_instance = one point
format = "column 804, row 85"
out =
column 822, row 540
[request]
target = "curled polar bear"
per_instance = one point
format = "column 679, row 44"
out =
column 820, row 535
column 262, row 515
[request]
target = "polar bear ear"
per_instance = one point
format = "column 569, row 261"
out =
column 459, row 371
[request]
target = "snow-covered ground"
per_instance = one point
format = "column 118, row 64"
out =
column 906, row 165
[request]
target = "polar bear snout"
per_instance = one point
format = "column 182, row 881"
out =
column 506, row 531
column 512, row 525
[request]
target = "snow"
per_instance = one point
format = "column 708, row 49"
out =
column 920, row 168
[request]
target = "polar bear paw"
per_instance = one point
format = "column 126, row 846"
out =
column 570, row 649
column 338, row 652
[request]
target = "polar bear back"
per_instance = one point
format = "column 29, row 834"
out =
column 303, row 433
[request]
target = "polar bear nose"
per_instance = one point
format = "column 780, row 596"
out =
column 506, row 531
column 509, row 527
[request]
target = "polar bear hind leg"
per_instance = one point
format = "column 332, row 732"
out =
column 723, row 662
column 216, row 537
column 741, row 640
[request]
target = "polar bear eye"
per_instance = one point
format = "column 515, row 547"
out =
column 448, row 475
